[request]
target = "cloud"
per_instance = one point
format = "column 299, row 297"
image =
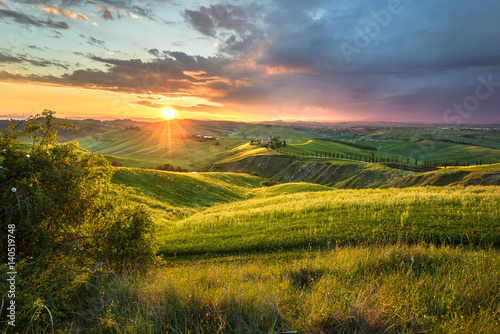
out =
column 134, row 9
column 237, row 27
column 94, row 42
column 118, row 14
column 151, row 104
column 200, row 21
column 176, row 73
column 53, row 10
column 154, row 52
column 420, row 37
column 130, row 14
column 10, row 59
column 106, row 14
column 31, row 20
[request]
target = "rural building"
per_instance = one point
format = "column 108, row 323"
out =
column 267, row 140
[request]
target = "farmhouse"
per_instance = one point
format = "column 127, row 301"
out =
column 267, row 140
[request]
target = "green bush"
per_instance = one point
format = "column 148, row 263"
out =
column 59, row 204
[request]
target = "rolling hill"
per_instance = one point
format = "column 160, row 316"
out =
column 151, row 148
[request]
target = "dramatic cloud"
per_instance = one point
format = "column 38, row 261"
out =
column 397, row 58
column 235, row 26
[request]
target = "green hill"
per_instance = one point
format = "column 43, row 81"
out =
column 319, row 219
column 273, row 259
column 484, row 138
column 237, row 130
column 421, row 150
column 188, row 189
column 437, row 151
column 232, row 212
column 151, row 148
column 356, row 175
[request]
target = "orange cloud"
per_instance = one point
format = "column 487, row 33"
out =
column 65, row 13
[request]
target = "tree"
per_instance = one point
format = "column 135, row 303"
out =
column 66, row 217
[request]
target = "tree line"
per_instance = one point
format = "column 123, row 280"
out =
column 372, row 158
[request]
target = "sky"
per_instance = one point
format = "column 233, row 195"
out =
column 317, row 60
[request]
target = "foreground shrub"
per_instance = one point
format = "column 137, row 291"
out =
column 64, row 221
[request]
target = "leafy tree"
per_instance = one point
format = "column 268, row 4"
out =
column 67, row 219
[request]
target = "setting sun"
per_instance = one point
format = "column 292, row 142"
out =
column 168, row 113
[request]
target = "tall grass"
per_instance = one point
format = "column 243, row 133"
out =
column 344, row 217
column 378, row 289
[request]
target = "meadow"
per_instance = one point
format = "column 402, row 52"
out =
column 353, row 248
column 240, row 257
column 220, row 213
column 484, row 138
column 363, row 289
column 146, row 148
column 339, row 217
column 171, row 143
column 423, row 150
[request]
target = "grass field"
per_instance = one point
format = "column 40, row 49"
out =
column 484, row 138
column 150, row 148
column 340, row 217
column 430, row 151
column 313, row 146
column 437, row 151
column 300, row 257
column 364, row 289
column 169, row 142
column 239, row 257
column 203, row 213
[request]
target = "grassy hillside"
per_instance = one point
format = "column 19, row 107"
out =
column 171, row 195
column 436, row 151
column 188, row 189
column 340, row 217
column 356, row 175
column 171, row 142
column 237, row 130
column 484, row 138
column 462, row 176
column 429, row 150
column 313, row 146
column 302, row 257
column 366, row 289
column 153, row 148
